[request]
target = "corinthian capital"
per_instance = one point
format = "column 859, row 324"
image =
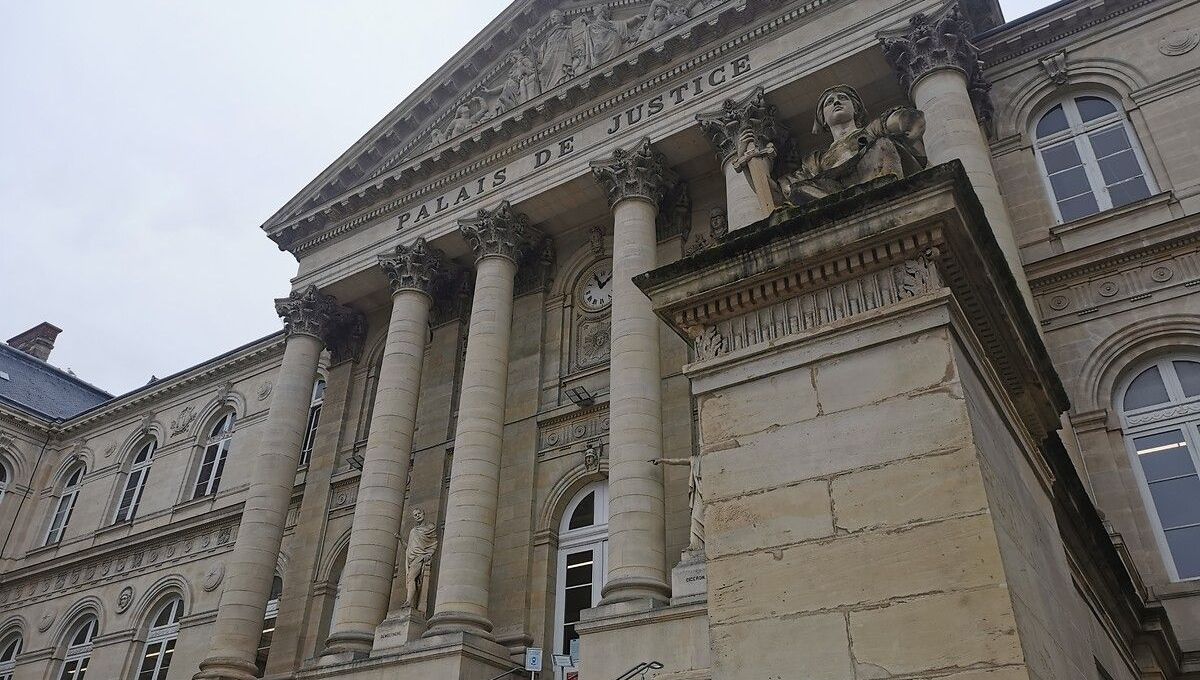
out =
column 414, row 267
column 742, row 129
column 640, row 172
column 503, row 231
column 310, row 312
column 931, row 43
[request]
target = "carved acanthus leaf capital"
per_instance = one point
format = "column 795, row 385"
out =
column 311, row 312
column 639, row 172
column 935, row 42
column 413, row 267
column 502, row 231
column 742, row 129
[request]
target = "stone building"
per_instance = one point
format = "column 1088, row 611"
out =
column 835, row 339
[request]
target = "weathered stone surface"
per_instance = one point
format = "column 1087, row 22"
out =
column 909, row 491
column 810, row 647
column 850, row 571
column 777, row 517
column 771, row 403
column 939, row 631
column 920, row 362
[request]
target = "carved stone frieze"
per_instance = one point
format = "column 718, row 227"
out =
column 580, row 426
column 180, row 424
column 743, row 129
column 413, row 267
column 637, row 172
column 1143, row 278
column 593, row 342
column 343, row 495
column 501, row 231
column 935, row 42
column 20, row 590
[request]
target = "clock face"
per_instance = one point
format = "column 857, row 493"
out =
column 597, row 290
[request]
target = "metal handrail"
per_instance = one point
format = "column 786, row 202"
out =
column 510, row 671
column 640, row 669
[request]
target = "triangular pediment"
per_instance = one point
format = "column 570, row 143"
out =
column 537, row 59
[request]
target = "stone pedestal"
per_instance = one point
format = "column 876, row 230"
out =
column 397, row 630
column 689, row 579
column 873, row 400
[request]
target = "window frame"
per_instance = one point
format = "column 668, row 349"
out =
column 1076, row 131
column 571, row 541
column 1184, row 420
column 65, row 505
column 262, row 653
column 8, row 665
column 135, row 482
column 315, row 406
column 218, row 441
column 79, row 654
column 6, row 480
column 161, row 640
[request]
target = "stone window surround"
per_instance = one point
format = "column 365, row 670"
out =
column 1130, row 430
column 1131, row 131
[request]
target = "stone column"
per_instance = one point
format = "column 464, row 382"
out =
column 939, row 67
column 371, row 558
column 465, row 570
column 635, row 181
column 310, row 317
column 743, row 134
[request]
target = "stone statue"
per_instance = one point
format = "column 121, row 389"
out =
column 606, row 37
column 718, row 222
column 519, row 86
column 557, row 52
column 862, row 149
column 661, row 18
column 695, row 497
column 418, row 559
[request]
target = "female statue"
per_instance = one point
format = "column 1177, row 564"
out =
column 862, row 149
column 556, row 52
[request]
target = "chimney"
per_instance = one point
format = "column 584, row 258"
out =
column 37, row 341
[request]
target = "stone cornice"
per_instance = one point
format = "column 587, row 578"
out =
column 1040, row 29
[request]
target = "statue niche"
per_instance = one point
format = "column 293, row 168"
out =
column 862, row 149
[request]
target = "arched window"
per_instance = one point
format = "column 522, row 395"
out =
column 135, row 484
column 65, row 505
column 1090, row 157
column 1161, row 410
column 268, row 631
column 582, row 558
column 314, row 419
column 10, row 647
column 79, row 649
column 216, row 450
column 160, row 640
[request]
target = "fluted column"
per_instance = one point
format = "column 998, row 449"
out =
column 743, row 134
column 939, row 66
column 635, row 181
column 366, row 581
column 465, row 570
column 310, row 317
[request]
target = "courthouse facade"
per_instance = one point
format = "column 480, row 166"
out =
column 832, row 339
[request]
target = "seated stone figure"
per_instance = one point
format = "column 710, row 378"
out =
column 862, row 149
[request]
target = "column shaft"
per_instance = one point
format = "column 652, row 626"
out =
column 371, row 558
column 251, row 565
column 637, row 535
column 465, row 570
column 953, row 132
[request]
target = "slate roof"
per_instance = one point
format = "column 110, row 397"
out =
column 39, row 388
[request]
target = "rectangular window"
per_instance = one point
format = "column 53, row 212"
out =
column 157, row 661
column 1170, row 471
column 310, row 433
column 62, row 517
column 578, row 596
column 132, row 495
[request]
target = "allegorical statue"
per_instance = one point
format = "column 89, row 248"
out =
column 519, row 86
column 661, row 18
column 418, row 559
column 605, row 36
column 863, row 149
column 695, row 497
column 556, row 56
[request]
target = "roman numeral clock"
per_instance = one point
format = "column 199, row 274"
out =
column 593, row 300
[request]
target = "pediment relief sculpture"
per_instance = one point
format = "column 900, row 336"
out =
column 862, row 148
column 567, row 46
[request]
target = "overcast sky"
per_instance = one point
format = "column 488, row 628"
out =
column 145, row 141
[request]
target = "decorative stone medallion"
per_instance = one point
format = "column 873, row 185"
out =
column 124, row 599
column 1059, row 302
column 1108, row 289
column 264, row 390
column 1161, row 274
column 1179, row 42
column 214, row 577
column 46, row 621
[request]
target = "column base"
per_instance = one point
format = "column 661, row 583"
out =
column 397, row 630
column 442, row 623
column 226, row 668
column 452, row 656
column 689, row 578
column 345, row 646
column 631, row 588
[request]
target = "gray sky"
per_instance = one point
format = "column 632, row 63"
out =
column 145, row 141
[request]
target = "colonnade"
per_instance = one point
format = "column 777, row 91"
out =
column 634, row 181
